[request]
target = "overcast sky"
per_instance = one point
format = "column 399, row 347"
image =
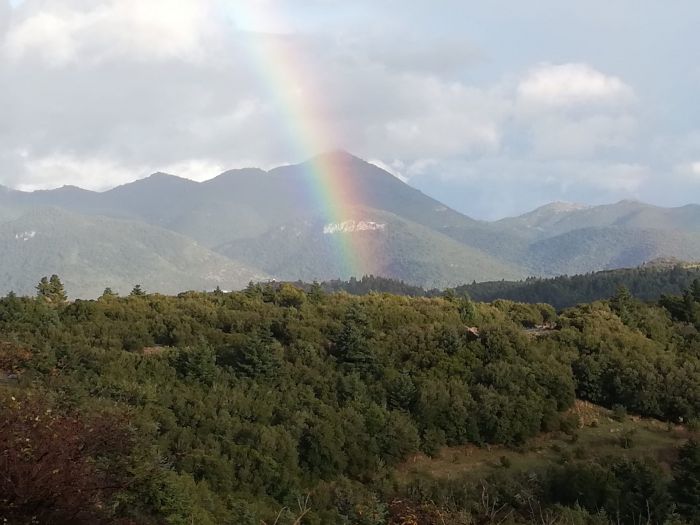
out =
column 492, row 107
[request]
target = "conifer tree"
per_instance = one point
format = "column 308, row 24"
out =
column 58, row 292
column 51, row 289
column 137, row 291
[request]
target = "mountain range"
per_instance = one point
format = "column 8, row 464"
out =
column 171, row 234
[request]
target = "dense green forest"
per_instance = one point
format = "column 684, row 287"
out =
column 279, row 405
column 648, row 283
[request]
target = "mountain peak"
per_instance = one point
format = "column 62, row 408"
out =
column 71, row 188
column 548, row 210
column 630, row 202
column 337, row 156
column 158, row 178
column 562, row 207
column 160, row 175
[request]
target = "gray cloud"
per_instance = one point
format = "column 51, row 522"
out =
column 97, row 93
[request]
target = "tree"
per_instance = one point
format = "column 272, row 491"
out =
column 316, row 292
column 58, row 293
column 622, row 303
column 253, row 290
column 467, row 311
column 643, row 492
column 258, row 358
column 43, row 288
column 137, row 291
column 51, row 290
column 695, row 290
column 352, row 348
column 108, row 293
column 49, row 469
column 686, row 479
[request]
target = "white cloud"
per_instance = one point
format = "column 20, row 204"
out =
column 621, row 177
column 89, row 173
column 574, row 111
column 687, row 171
column 196, row 169
column 99, row 174
column 570, row 85
column 395, row 168
column 557, row 136
column 64, row 32
column 433, row 118
column 99, row 92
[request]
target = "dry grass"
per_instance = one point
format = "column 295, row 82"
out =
column 598, row 436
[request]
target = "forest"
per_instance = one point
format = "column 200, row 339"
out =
column 290, row 405
column 648, row 282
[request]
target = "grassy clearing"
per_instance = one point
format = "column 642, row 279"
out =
column 599, row 435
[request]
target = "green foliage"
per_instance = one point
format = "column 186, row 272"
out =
column 648, row 283
column 686, row 480
column 91, row 252
column 137, row 291
column 245, row 403
column 51, row 290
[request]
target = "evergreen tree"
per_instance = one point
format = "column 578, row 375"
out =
column 686, row 480
column 51, row 290
column 695, row 290
column 137, row 291
column 108, row 292
column 43, row 289
column 467, row 311
column 58, row 293
column 253, row 290
column 316, row 292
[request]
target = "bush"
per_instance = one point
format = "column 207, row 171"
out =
column 626, row 440
column 619, row 413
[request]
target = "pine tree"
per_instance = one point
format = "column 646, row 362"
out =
column 695, row 290
column 58, row 292
column 43, row 289
column 316, row 292
column 686, row 478
column 108, row 293
column 137, row 291
column 51, row 290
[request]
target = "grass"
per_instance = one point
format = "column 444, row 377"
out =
column 599, row 435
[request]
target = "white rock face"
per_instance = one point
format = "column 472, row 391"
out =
column 352, row 226
column 25, row 236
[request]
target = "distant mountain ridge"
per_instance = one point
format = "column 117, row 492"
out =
column 271, row 224
column 91, row 253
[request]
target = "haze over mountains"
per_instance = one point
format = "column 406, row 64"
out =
column 171, row 234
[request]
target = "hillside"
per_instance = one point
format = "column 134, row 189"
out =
column 274, row 221
column 313, row 408
column 648, row 283
column 592, row 249
column 394, row 247
column 91, row 253
column 559, row 218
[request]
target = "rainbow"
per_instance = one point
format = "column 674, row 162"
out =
column 289, row 84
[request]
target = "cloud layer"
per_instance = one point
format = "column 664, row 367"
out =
column 100, row 92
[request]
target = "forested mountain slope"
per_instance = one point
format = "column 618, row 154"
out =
column 288, row 223
column 278, row 405
column 92, row 252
